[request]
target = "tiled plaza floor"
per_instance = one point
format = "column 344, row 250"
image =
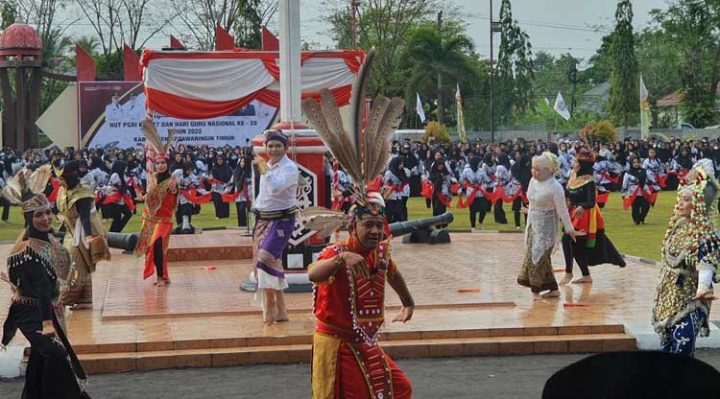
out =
column 203, row 301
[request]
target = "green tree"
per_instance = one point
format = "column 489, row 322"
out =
column 554, row 75
column 56, row 53
column 600, row 63
column 8, row 13
column 544, row 114
column 661, row 62
column 694, row 27
column 440, row 57
column 385, row 25
column 254, row 14
column 624, row 105
column 515, row 71
column 89, row 44
column 543, row 61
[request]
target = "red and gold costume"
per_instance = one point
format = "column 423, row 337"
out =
column 157, row 222
column 347, row 360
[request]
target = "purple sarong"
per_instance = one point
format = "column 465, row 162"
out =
column 270, row 240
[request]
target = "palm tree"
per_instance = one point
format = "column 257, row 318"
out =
column 89, row 44
column 437, row 56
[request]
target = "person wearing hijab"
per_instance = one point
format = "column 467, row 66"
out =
column 546, row 208
column 274, row 208
column 38, row 268
column 522, row 173
column 655, row 167
column 413, row 164
column 4, row 202
column 178, row 162
column 639, row 191
column 690, row 260
column 679, row 168
column 161, row 201
column 474, row 180
column 441, row 180
column 395, row 183
column 221, row 175
column 595, row 248
column 118, row 204
column 242, row 179
column 506, row 188
column 187, row 182
column 95, row 177
column 85, row 237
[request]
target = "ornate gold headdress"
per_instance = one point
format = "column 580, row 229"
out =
column 26, row 188
column 155, row 142
column 362, row 152
column 703, row 186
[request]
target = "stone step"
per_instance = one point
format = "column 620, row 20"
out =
column 97, row 363
column 229, row 245
column 231, row 342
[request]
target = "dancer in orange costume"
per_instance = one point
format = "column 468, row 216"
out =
column 160, row 204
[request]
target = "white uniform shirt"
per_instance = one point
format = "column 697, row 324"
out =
column 278, row 186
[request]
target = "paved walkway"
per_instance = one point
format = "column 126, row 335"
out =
column 468, row 284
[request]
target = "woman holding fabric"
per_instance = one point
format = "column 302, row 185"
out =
column 547, row 205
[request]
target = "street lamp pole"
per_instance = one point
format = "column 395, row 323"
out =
column 492, row 77
column 353, row 9
column 495, row 27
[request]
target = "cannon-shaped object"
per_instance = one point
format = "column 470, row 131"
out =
column 124, row 241
column 423, row 230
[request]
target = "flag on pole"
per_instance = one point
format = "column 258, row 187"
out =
column 645, row 117
column 561, row 108
column 460, row 119
column 419, row 109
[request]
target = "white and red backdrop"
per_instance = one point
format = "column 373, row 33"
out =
column 213, row 98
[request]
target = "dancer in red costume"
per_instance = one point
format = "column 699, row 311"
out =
column 349, row 282
column 350, row 276
column 160, row 204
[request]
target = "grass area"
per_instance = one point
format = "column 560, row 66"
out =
column 206, row 219
column 643, row 241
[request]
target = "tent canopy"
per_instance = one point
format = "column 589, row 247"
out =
column 201, row 85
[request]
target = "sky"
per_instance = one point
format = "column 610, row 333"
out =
column 555, row 26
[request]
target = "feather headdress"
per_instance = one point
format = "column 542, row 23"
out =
column 26, row 188
column 154, row 141
column 363, row 153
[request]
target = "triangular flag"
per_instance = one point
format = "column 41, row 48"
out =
column 460, row 118
column 561, row 108
column 419, row 109
column 176, row 44
column 645, row 117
